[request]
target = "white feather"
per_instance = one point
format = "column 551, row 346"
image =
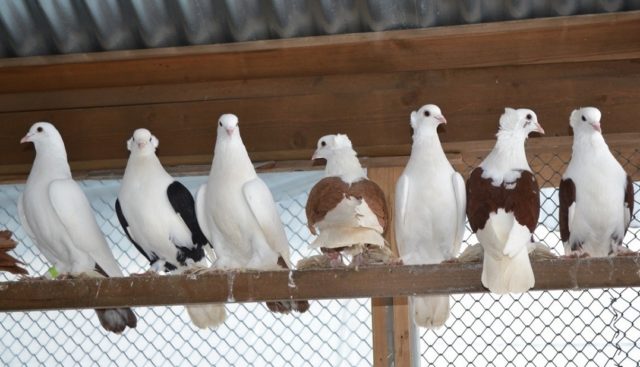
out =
column 260, row 201
column 430, row 202
column 75, row 214
column 600, row 181
column 505, row 269
column 238, row 210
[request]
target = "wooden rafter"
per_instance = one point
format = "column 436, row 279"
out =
column 288, row 93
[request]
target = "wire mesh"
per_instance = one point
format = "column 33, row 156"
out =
column 332, row 333
column 596, row 327
column 591, row 327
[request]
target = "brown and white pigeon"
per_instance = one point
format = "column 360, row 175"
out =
column 238, row 214
column 596, row 194
column 57, row 216
column 346, row 210
column 158, row 215
column 430, row 210
column 503, row 205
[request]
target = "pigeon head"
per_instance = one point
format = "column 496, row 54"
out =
column 428, row 116
column 586, row 120
column 142, row 141
column 329, row 144
column 43, row 134
column 522, row 121
column 228, row 125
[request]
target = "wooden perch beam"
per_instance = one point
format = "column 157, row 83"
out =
column 273, row 285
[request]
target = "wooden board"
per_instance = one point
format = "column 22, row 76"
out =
column 386, row 178
column 371, row 282
column 288, row 93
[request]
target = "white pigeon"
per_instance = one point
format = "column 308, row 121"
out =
column 238, row 214
column 429, row 209
column 56, row 215
column 346, row 210
column 158, row 215
column 596, row 194
column 503, row 205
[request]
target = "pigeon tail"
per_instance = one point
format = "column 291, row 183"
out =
column 116, row 320
column 430, row 311
column 208, row 315
column 505, row 274
column 285, row 307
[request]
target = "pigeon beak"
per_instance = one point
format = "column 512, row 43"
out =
column 314, row 156
column 229, row 131
column 441, row 119
column 596, row 127
column 26, row 139
column 413, row 117
column 141, row 144
column 539, row 128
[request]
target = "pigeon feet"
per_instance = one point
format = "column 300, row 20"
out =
column 621, row 250
column 577, row 254
column 148, row 273
column 196, row 270
column 324, row 261
column 26, row 278
column 375, row 255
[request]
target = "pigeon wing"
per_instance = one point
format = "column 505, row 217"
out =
column 260, row 200
column 75, row 213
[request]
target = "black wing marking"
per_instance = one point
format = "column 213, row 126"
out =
column 567, row 197
column 123, row 222
column 183, row 203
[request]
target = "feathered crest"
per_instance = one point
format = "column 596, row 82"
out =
column 509, row 119
column 342, row 141
column 142, row 134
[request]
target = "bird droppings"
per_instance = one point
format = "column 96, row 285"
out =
column 291, row 283
column 231, row 277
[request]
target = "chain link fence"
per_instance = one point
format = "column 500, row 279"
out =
column 598, row 327
column 573, row 328
column 331, row 333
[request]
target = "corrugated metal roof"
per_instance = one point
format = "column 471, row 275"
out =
column 42, row 27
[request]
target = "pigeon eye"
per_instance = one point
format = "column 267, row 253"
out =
column 583, row 118
column 149, row 139
column 529, row 116
column 220, row 123
column 427, row 113
column 323, row 143
column 39, row 129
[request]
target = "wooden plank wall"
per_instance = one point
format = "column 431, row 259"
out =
column 288, row 93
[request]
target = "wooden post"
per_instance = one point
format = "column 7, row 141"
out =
column 398, row 354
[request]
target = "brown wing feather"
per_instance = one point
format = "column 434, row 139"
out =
column 324, row 196
column 567, row 197
column 8, row 262
column 629, row 200
column 374, row 196
column 524, row 200
column 328, row 192
column 483, row 198
column 480, row 200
